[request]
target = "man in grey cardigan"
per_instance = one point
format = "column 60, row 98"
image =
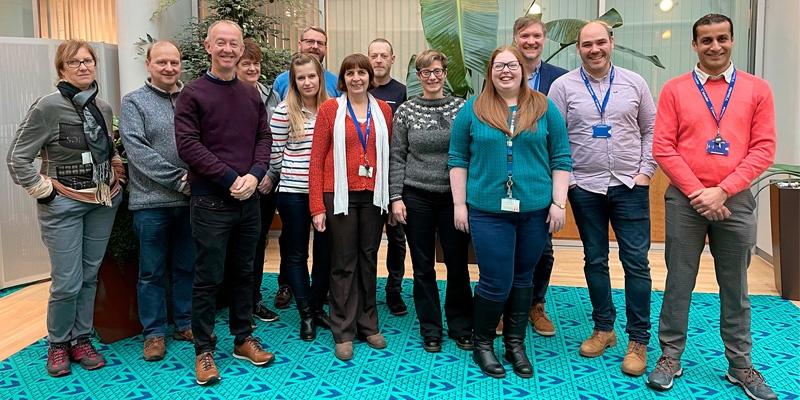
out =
column 159, row 199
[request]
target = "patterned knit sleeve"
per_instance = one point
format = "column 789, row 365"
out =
column 398, row 153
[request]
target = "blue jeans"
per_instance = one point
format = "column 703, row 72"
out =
column 507, row 246
column 628, row 210
column 296, row 222
column 165, row 236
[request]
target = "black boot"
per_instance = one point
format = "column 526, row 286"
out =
column 321, row 318
column 515, row 321
column 308, row 329
column 486, row 315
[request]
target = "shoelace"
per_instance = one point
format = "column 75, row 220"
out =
column 206, row 361
column 665, row 364
column 86, row 349
column 150, row 343
column 253, row 343
column 638, row 348
column 753, row 377
column 58, row 354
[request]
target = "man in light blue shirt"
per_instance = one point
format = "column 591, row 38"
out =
column 312, row 41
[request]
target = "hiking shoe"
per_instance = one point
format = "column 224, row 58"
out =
column 252, row 351
column 635, row 361
column 185, row 335
column 538, row 318
column 376, row 341
column 662, row 377
column 344, row 351
column 597, row 344
column 283, row 297
column 397, row 306
column 58, row 359
column 263, row 313
column 154, row 348
column 752, row 382
column 84, row 353
column 205, row 369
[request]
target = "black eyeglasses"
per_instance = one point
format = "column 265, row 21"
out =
column 75, row 64
column 311, row 42
column 512, row 66
column 426, row 73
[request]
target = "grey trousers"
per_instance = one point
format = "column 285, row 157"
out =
column 731, row 242
column 76, row 235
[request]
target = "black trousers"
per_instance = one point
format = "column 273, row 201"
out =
column 225, row 232
column 354, row 239
column 542, row 272
column 268, row 205
column 429, row 214
column 395, row 257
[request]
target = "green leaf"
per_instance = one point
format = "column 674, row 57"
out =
column 564, row 31
column 785, row 168
column 413, row 87
column 466, row 32
column 612, row 18
column 652, row 58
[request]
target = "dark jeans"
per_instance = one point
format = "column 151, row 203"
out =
column 216, row 223
column 542, row 272
column 395, row 257
column 430, row 213
column 165, row 238
column 354, row 240
column 296, row 220
column 268, row 204
column 507, row 246
column 628, row 210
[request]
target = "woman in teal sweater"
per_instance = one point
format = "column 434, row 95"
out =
column 509, row 165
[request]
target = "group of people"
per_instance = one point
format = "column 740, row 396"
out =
column 347, row 153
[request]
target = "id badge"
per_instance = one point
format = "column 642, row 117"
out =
column 86, row 157
column 601, row 131
column 717, row 148
column 509, row 204
column 365, row 171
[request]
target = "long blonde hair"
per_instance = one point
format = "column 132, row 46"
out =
column 491, row 109
column 294, row 100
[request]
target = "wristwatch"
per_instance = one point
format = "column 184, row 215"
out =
column 559, row 205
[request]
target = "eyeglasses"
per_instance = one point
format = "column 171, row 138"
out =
column 426, row 73
column 75, row 64
column 499, row 66
column 311, row 42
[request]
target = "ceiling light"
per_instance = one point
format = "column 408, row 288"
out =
column 666, row 34
column 665, row 5
column 535, row 9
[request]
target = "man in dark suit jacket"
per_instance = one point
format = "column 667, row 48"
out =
column 529, row 37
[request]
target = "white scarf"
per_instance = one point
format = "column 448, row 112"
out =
column 380, row 196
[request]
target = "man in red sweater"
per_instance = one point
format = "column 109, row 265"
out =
column 714, row 134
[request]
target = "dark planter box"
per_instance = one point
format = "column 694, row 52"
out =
column 785, row 222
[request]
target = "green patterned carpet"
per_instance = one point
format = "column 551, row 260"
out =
column 404, row 371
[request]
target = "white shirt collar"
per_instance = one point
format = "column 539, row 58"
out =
column 703, row 76
column 535, row 69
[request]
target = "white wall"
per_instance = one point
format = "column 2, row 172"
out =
column 779, row 63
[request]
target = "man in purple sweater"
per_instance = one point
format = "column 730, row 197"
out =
column 222, row 133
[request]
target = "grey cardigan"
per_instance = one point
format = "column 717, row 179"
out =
column 147, row 129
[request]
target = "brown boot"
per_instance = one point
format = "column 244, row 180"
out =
column 635, row 361
column 205, row 369
column 185, row 336
column 376, row 341
column 596, row 344
column 252, row 351
column 541, row 324
column 344, row 351
column 154, row 348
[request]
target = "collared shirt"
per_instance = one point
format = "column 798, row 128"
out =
column 703, row 76
column 532, row 76
column 599, row 162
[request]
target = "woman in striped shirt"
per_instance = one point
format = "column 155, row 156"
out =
column 292, row 127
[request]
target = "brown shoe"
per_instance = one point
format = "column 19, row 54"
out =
column 185, row 336
column 205, row 369
column 596, row 344
column 499, row 330
column 376, row 341
column 541, row 324
column 252, row 351
column 154, row 348
column 635, row 361
column 344, row 351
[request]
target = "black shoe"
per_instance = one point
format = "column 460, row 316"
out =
column 515, row 324
column 486, row 315
column 263, row 313
column 308, row 330
column 464, row 342
column 321, row 319
column 432, row 345
column 283, row 297
column 396, row 304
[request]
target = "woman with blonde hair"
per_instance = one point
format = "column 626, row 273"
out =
column 509, row 171
column 292, row 135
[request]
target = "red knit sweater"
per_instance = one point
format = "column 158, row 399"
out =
column 320, row 174
column 684, row 125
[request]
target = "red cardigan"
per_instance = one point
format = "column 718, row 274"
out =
column 320, row 174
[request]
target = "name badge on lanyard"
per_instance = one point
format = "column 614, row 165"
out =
column 364, row 170
column 509, row 203
column 601, row 130
column 716, row 146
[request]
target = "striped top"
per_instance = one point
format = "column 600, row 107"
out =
column 290, row 158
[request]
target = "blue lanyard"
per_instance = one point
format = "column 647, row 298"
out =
column 361, row 136
column 708, row 99
column 600, row 108
column 510, row 154
column 536, row 79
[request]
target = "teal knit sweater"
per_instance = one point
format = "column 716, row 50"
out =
column 481, row 149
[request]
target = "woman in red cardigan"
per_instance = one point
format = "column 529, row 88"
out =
column 349, row 194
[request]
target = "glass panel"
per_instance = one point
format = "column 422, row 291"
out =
column 16, row 18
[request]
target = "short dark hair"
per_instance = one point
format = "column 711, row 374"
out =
column 710, row 19
column 352, row 61
column 315, row 29
column 252, row 51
